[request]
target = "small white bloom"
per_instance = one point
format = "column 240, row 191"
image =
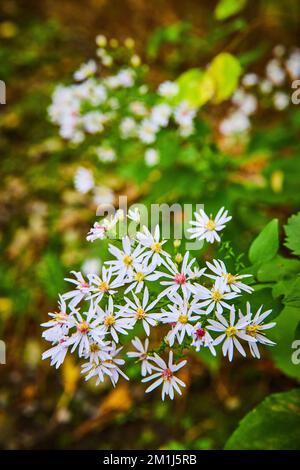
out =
column 215, row 298
column 57, row 353
column 140, row 311
column 160, row 114
column 85, row 70
column 147, row 131
column 168, row 89
column 250, row 79
column 91, row 266
column 256, row 329
column 281, row 100
column 58, row 326
column 184, row 114
column 266, row 86
column 207, row 228
column 128, row 127
column 134, row 215
column 293, row 64
column 83, row 180
column 233, row 281
column 105, row 154
column 98, row 231
column 112, row 322
column 230, row 333
column 151, row 157
column 246, row 102
column 81, row 291
column 274, row 72
column 94, row 121
column 202, row 338
column 154, row 251
column 103, row 285
column 127, row 259
column 142, row 355
column 165, row 376
column 236, row 123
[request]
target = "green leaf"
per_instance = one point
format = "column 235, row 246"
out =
column 292, row 296
column 266, row 244
column 223, row 72
column 284, row 334
column 292, row 230
column 277, row 268
column 226, row 8
column 273, row 425
column 195, row 87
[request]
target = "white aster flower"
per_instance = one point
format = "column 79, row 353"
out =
column 246, row 102
column 58, row 326
column 99, row 352
column 266, row 86
column 168, row 89
column 154, row 246
column 256, row 329
column 230, row 333
column 274, row 72
column 103, row 285
column 147, row 131
column 85, row 70
column 105, row 154
column 57, row 353
column 83, row 180
column 182, row 314
column 137, row 310
column 216, row 297
column 94, row 121
column 98, row 231
column 293, row 64
column 236, row 123
column 151, row 157
column 233, row 281
column 250, row 79
column 160, row 114
column 207, row 228
column 127, row 259
column 138, row 108
column 81, row 291
column 202, row 338
column 116, row 371
column 184, row 114
column 137, row 278
column 281, row 100
column 141, row 355
column 128, row 127
column 165, row 376
column 112, row 322
column 100, row 370
column 134, row 215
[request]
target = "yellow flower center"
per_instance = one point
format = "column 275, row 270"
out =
column 140, row 313
column 109, row 320
column 230, row 278
column 156, row 247
column 231, row 331
column 252, row 330
column 139, row 276
column 103, row 286
column 216, row 295
column 183, row 319
column 127, row 260
column 83, row 327
column 60, row 317
column 94, row 347
column 210, row 225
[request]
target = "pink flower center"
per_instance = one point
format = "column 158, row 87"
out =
column 200, row 333
column 84, row 285
column 180, row 278
column 167, row 374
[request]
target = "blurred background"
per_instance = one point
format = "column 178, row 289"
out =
column 44, row 220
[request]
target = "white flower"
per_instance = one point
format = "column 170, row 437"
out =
column 138, row 277
column 256, row 329
column 232, row 280
column 112, row 322
column 151, row 157
column 116, row 362
column 82, row 290
column 182, row 313
column 57, row 353
column 128, row 127
column 168, row 89
column 85, row 70
column 91, row 369
column 293, row 64
column 274, row 72
column 93, row 121
column 102, row 285
column 246, row 102
column 176, row 278
column 236, row 123
column 105, row 154
column 139, row 311
column 126, row 260
column 250, row 79
column 98, row 231
column 138, row 108
column 83, row 180
column 160, row 114
column 165, row 376
column 147, row 131
column 103, row 195
column 58, row 326
column 184, row 114
column 134, row 215
column 281, row 100
column 230, row 333
column 215, row 298
column 99, row 352
column 125, row 78
column 186, row 130
column 207, row 228
column 266, row 86
column 142, row 355
column 91, row 266
column 201, row 337
column 154, row 252
column 87, row 331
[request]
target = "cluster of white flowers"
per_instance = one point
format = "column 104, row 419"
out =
column 143, row 286
column 281, row 69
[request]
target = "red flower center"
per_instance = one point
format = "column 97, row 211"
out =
column 200, row 333
column 167, row 374
column 180, row 278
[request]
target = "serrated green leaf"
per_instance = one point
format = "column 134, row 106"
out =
column 266, row 244
column 292, row 230
column 273, row 425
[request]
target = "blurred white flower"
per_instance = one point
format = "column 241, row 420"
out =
column 83, row 180
column 168, row 89
column 281, row 100
column 91, row 266
column 293, row 64
column 147, row 131
column 151, row 157
column 274, row 72
column 160, row 114
column 105, row 154
column 85, row 70
column 103, row 195
column 250, row 79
